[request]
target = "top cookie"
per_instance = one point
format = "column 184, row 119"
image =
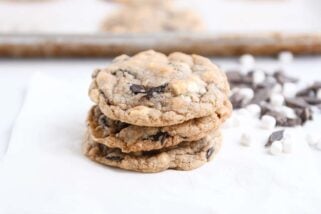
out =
column 152, row 89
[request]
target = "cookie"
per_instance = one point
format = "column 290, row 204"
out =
column 152, row 89
column 131, row 138
column 145, row 2
column 152, row 19
column 186, row 156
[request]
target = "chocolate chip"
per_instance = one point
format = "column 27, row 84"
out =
column 304, row 114
column 149, row 91
column 282, row 78
column 291, row 122
column 151, row 152
column 114, row 157
column 260, row 96
column 237, row 101
column 103, row 149
column 136, row 89
column 312, row 100
column 118, row 126
column 158, row 89
column 297, row 102
column 316, row 86
column 102, row 121
column 307, row 92
column 275, row 136
column 209, row 152
column 237, row 79
column 160, row 136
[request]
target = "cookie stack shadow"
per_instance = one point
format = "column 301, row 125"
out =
column 155, row 112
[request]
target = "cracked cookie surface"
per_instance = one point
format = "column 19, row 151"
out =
column 131, row 138
column 152, row 89
column 185, row 156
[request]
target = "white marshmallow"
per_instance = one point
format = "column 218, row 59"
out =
column 258, row 76
column 318, row 146
column 247, row 94
column 319, row 94
column 277, row 88
column 246, row 139
column 277, row 99
column 268, row 122
column 313, row 139
column 285, row 57
column 254, row 110
column 242, row 112
column 288, row 112
column 247, row 60
column 289, row 89
column 276, row 148
column 287, row 144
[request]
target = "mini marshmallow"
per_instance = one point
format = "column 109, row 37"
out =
column 276, row 148
column 268, row 122
column 242, row 112
column 289, row 89
column 277, row 88
column 318, row 146
column 246, row 139
column 258, row 77
column 313, row 139
column 285, row 57
column 319, row 94
column 254, row 110
column 288, row 112
column 247, row 61
column 277, row 99
column 247, row 94
column 287, row 143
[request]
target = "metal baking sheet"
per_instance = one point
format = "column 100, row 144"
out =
column 54, row 28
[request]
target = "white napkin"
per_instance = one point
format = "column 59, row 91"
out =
column 44, row 170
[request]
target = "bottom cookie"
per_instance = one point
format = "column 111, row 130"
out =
column 185, row 156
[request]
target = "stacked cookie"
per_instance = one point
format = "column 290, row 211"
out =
column 154, row 112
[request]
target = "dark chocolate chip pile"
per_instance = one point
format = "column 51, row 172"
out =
column 301, row 103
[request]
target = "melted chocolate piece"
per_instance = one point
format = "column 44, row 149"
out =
column 275, row 136
column 103, row 149
column 158, row 89
column 160, row 136
column 149, row 91
column 114, row 157
column 136, row 89
column 151, row 153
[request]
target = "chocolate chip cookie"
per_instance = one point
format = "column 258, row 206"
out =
column 152, row 19
column 131, row 138
column 152, row 89
column 185, row 156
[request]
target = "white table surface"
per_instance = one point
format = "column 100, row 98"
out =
column 15, row 74
column 281, row 184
